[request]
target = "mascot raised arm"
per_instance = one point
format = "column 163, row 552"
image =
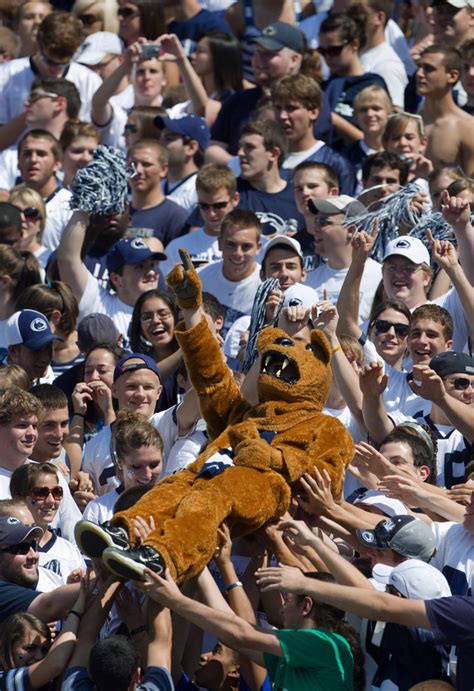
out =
column 255, row 456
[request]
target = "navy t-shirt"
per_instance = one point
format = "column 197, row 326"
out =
column 452, row 621
column 191, row 30
column 238, row 109
column 274, row 210
column 15, row 598
column 344, row 170
column 167, row 220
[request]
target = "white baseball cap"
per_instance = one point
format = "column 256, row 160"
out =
column 390, row 507
column 411, row 248
column 462, row 3
column 95, row 47
column 283, row 240
column 340, row 204
column 417, row 580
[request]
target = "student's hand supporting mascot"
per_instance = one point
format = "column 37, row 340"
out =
column 251, row 450
column 185, row 283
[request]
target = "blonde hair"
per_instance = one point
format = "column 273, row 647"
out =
column 108, row 10
column 397, row 124
column 26, row 195
column 370, row 94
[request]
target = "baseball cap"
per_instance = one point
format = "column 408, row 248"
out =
column 96, row 46
column 130, row 251
column 95, row 328
column 29, row 328
column 283, row 240
column 419, row 581
column 342, row 204
column 191, row 126
column 13, row 531
column 462, row 3
column 411, row 248
column 390, row 507
column 281, row 35
column 134, row 362
column 452, row 363
column 405, row 535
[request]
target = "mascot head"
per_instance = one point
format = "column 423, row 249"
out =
column 294, row 371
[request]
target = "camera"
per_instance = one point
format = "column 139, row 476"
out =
column 150, row 50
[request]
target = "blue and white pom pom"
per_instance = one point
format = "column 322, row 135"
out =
column 257, row 319
column 102, row 186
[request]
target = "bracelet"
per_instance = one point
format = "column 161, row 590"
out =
column 78, row 614
column 233, row 585
column 338, row 347
column 79, row 415
column 139, row 629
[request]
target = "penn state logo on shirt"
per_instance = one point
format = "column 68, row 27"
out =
column 138, row 244
column 38, row 324
column 402, row 243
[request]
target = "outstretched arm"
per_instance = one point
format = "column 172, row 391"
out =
column 71, row 267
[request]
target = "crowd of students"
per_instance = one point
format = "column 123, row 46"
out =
column 316, row 160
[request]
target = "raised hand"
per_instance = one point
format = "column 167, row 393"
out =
column 184, row 281
column 456, row 211
column 372, row 380
column 443, row 252
column 428, row 384
column 286, row 578
column 363, row 243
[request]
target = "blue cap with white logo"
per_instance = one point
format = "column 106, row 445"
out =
column 31, row 329
column 192, row 126
column 130, row 251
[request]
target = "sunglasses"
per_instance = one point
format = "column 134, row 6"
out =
column 461, row 383
column 89, row 19
column 217, row 206
column 53, row 63
column 23, row 548
column 31, row 213
column 413, row 116
column 382, row 326
column 36, row 95
column 127, row 12
column 332, row 51
column 42, row 493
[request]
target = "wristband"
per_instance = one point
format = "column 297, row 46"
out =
column 139, row 629
column 77, row 614
column 338, row 347
column 233, row 585
column 79, row 415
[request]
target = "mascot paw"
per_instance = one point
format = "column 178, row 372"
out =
column 185, row 282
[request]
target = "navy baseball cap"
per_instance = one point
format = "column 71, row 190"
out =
column 281, row 35
column 405, row 535
column 29, row 328
column 191, row 126
column 14, row 532
column 451, row 362
column 130, row 251
column 96, row 328
column 133, row 362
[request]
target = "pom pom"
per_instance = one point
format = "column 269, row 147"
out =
column 257, row 319
column 102, row 186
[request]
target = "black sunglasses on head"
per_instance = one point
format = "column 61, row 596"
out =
column 23, row 548
column 332, row 51
column 381, row 326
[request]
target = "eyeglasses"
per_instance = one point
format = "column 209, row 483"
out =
column 127, row 12
column 36, row 95
column 461, row 383
column 42, row 493
column 332, row 51
column 23, row 548
column 406, row 270
column 217, row 206
column 132, row 129
column 89, row 19
column 53, row 63
column 31, row 213
column 161, row 314
column 382, row 326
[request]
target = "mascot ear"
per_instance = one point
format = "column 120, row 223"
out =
column 267, row 336
column 321, row 346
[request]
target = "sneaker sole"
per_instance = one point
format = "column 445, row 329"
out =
column 121, row 565
column 91, row 539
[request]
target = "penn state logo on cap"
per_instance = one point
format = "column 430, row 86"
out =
column 39, row 325
column 138, row 244
column 368, row 536
column 402, row 243
column 295, row 302
column 269, row 31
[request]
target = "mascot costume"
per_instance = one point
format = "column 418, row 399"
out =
column 255, row 456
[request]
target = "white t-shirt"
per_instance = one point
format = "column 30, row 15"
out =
column 384, row 61
column 203, row 249
column 398, row 396
column 96, row 458
column 101, row 509
column 236, row 296
column 8, row 168
column 16, row 78
column 297, row 294
column 325, row 278
column 183, row 192
column 58, row 213
column 186, row 449
column 454, row 555
column 98, row 299
column 112, row 132
column 451, row 302
column 61, row 557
